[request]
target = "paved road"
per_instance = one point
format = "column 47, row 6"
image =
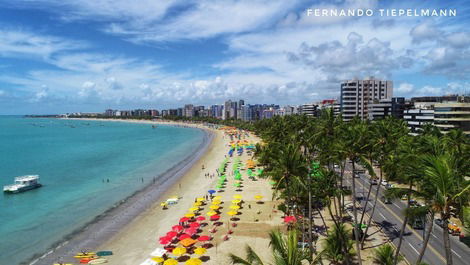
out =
column 390, row 218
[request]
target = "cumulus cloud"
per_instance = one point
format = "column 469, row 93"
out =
column 404, row 88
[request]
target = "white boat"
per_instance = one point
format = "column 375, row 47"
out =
column 23, row 183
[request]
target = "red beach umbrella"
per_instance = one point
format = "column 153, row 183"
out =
column 289, row 219
column 194, row 225
column 165, row 240
column 184, row 219
column 177, row 228
column 200, row 218
column 204, row 238
column 191, row 231
column 215, row 217
column 183, row 236
column 171, row 234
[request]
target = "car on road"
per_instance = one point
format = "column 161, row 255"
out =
column 439, row 222
column 373, row 181
column 384, row 183
column 386, row 200
column 389, row 186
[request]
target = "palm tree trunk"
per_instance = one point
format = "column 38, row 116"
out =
column 446, row 240
column 344, row 240
column 342, row 191
column 426, row 238
column 310, row 221
column 403, row 227
column 366, row 203
column 373, row 209
column 322, row 219
column 356, row 227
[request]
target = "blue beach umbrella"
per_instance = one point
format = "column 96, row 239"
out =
column 211, row 191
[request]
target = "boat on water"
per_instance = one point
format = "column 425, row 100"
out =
column 23, row 183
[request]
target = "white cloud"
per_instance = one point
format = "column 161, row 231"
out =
column 405, row 88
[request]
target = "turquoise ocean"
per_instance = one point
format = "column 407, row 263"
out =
column 75, row 159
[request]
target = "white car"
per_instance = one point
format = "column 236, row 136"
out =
column 384, row 182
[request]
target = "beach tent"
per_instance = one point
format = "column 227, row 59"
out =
column 149, row 262
column 158, row 252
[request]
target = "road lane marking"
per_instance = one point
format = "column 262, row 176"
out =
column 383, row 216
column 434, row 235
column 412, row 230
column 397, row 206
column 456, row 253
column 413, row 248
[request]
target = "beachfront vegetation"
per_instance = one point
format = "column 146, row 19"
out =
column 431, row 167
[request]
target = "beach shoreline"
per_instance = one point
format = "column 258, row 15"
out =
column 105, row 226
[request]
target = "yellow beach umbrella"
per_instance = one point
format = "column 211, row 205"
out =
column 193, row 261
column 232, row 213
column 200, row 251
column 211, row 213
column 189, row 215
column 170, row 262
column 216, row 202
column 200, row 199
column 258, row 197
column 158, row 259
column 218, row 197
column 193, row 209
column 236, row 201
column 237, row 196
column 214, row 207
column 235, row 207
column 196, row 204
column 163, row 204
column 178, row 251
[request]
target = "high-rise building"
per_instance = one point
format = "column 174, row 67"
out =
column 188, row 110
column 216, row 111
column 453, row 115
column 356, row 95
column 309, row 109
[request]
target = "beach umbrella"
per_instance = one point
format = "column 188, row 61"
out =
column 235, row 207
column 171, row 234
column 211, row 213
column 165, row 241
column 191, row 231
column 236, row 185
column 237, row 196
column 148, row 262
column 200, row 218
column 184, row 219
column 214, row 207
column 232, row 213
column 184, row 236
column 193, row 261
column 236, row 201
column 178, row 251
column 196, row 225
column 203, row 238
column 200, row 199
column 170, row 262
column 177, row 228
column 258, row 197
column 215, row 217
column 187, row 242
column 189, row 215
column 219, row 187
column 158, row 259
column 200, row 251
column 211, row 191
column 197, row 204
column 193, row 209
column 163, row 204
column 289, row 219
column 218, row 197
column 216, row 202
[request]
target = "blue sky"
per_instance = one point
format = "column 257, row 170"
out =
column 87, row 55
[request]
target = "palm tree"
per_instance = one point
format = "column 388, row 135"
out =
column 284, row 251
column 384, row 255
column 441, row 173
column 337, row 246
column 356, row 144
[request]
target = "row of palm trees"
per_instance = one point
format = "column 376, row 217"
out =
column 306, row 157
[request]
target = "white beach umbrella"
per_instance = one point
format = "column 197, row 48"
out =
column 149, row 262
column 158, row 252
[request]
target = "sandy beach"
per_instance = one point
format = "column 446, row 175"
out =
column 135, row 242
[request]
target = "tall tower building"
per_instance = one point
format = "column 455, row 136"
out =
column 356, row 95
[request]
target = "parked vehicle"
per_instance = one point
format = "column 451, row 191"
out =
column 386, row 200
column 373, row 181
column 439, row 222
